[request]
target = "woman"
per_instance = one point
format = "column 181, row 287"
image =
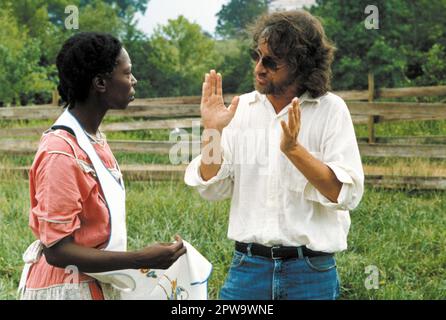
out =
column 72, row 202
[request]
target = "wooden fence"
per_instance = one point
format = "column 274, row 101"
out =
column 183, row 112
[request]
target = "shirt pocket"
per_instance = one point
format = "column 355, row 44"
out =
column 293, row 179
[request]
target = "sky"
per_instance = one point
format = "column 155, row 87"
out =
column 199, row 11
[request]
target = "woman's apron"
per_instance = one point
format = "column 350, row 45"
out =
column 185, row 279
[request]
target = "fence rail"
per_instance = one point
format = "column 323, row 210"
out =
column 360, row 111
column 190, row 106
column 184, row 112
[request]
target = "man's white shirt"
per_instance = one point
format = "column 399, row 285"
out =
column 272, row 201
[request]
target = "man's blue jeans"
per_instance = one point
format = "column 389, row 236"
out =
column 259, row 278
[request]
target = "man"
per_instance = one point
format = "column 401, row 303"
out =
column 291, row 165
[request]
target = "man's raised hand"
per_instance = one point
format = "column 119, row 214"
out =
column 291, row 130
column 214, row 113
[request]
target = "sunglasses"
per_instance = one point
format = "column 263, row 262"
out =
column 268, row 62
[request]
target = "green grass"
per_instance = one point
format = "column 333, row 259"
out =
column 151, row 135
column 16, row 160
column 406, row 128
column 403, row 234
column 141, row 158
column 25, row 123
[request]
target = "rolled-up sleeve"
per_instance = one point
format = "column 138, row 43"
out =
column 340, row 153
column 220, row 186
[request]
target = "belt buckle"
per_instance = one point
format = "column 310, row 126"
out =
column 272, row 252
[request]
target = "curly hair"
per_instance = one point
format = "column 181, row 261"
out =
column 299, row 39
column 81, row 58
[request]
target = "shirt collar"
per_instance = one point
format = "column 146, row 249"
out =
column 257, row 96
column 306, row 97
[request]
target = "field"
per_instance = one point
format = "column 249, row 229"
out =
column 400, row 232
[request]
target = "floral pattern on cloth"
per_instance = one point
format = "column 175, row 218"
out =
column 175, row 292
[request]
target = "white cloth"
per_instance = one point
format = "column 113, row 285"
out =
column 272, row 201
column 185, row 279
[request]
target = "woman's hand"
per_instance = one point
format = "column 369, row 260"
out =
column 160, row 255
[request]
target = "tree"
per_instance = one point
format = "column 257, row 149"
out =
column 237, row 15
column 28, row 57
column 45, row 19
column 124, row 7
column 434, row 68
column 140, row 48
column 234, row 20
column 237, row 66
column 397, row 53
column 180, row 56
column 98, row 16
column 20, row 71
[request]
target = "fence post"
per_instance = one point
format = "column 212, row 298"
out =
column 371, row 121
column 55, row 98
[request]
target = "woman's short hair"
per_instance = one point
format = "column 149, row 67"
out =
column 83, row 57
column 299, row 38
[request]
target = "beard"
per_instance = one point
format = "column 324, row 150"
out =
column 274, row 88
